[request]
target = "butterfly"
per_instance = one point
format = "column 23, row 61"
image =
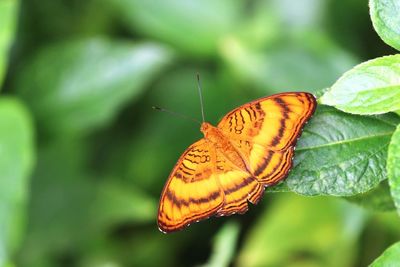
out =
column 251, row 148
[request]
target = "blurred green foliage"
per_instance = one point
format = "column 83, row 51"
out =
column 16, row 162
column 333, row 231
column 83, row 158
column 8, row 19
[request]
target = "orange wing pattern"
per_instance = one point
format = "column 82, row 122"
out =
column 192, row 191
column 266, row 131
column 239, row 187
column 251, row 148
column 204, row 183
column 274, row 121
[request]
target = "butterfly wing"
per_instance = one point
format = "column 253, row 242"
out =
column 265, row 131
column 204, row 183
column 192, row 191
column 239, row 187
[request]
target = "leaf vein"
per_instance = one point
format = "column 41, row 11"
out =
column 344, row 141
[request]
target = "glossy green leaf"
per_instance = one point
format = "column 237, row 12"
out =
column 191, row 26
column 80, row 85
column 386, row 20
column 16, row 162
column 393, row 167
column 372, row 87
column 301, row 231
column 8, row 19
column 224, row 246
column 377, row 199
column 389, row 258
column 340, row 154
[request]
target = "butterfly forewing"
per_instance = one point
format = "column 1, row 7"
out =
column 274, row 121
column 266, row 131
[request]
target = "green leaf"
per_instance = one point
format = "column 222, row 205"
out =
column 386, row 20
column 192, row 26
column 299, row 15
column 8, row 19
column 75, row 86
column 372, row 87
column 65, row 196
column 306, row 63
column 377, row 199
column 393, row 167
column 389, row 258
column 16, row 162
column 224, row 246
column 340, row 154
column 301, row 231
column 116, row 203
column 60, row 203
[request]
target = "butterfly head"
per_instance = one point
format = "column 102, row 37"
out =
column 208, row 130
column 205, row 127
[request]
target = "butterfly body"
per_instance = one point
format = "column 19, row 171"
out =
column 251, row 147
column 221, row 143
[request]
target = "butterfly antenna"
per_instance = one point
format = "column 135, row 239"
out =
column 201, row 96
column 176, row 114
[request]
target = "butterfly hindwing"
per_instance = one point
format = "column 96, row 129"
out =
column 192, row 191
column 239, row 187
column 270, row 166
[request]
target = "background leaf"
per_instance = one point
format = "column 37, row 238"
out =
column 115, row 203
column 393, row 167
column 340, row 154
column 377, row 199
column 386, row 20
column 270, row 67
column 323, row 238
column 167, row 20
column 76, row 86
column 224, row 246
column 389, row 258
column 8, row 18
column 16, row 162
column 372, row 87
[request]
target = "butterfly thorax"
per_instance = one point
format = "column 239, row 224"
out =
column 222, row 144
column 214, row 135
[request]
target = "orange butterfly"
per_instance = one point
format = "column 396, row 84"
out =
column 251, row 148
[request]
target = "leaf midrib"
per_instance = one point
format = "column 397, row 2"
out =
column 345, row 141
